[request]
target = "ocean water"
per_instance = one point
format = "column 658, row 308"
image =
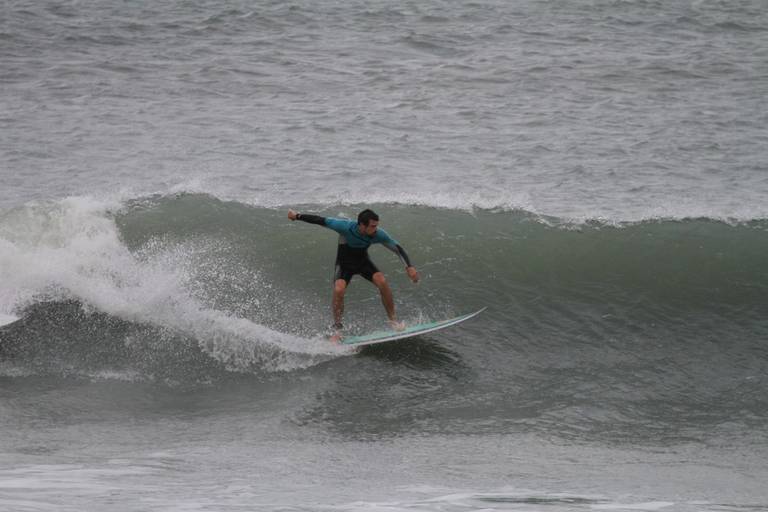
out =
column 594, row 172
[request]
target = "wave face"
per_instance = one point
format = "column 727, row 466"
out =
column 651, row 324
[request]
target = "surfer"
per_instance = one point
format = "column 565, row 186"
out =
column 352, row 258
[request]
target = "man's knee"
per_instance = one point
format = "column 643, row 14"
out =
column 379, row 280
column 339, row 286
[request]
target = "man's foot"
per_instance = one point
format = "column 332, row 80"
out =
column 336, row 336
column 397, row 325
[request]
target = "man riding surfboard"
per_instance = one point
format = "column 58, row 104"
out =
column 352, row 258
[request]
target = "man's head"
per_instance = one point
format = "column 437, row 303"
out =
column 368, row 222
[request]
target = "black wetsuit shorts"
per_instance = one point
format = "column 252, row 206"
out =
column 351, row 261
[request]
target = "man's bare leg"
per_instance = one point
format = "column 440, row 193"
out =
column 339, row 287
column 387, row 300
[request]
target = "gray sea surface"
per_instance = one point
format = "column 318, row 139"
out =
column 624, row 110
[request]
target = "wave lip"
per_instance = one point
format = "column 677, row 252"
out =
column 466, row 194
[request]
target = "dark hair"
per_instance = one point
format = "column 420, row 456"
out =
column 366, row 216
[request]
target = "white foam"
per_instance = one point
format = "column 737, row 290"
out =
column 72, row 249
column 8, row 369
column 453, row 195
column 116, row 375
column 650, row 505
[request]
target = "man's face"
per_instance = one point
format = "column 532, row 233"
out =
column 371, row 228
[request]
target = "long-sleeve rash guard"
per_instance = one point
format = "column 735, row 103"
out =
column 353, row 245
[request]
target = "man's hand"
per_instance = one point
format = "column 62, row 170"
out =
column 292, row 214
column 413, row 274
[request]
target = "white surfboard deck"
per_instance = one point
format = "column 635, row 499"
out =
column 7, row 319
column 408, row 332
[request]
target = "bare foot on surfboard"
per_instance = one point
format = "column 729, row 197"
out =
column 397, row 325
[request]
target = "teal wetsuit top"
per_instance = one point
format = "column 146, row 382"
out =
column 349, row 234
column 352, row 254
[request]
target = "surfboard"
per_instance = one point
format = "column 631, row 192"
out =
column 409, row 332
column 7, row 319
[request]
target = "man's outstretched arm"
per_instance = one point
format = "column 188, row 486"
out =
column 306, row 217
